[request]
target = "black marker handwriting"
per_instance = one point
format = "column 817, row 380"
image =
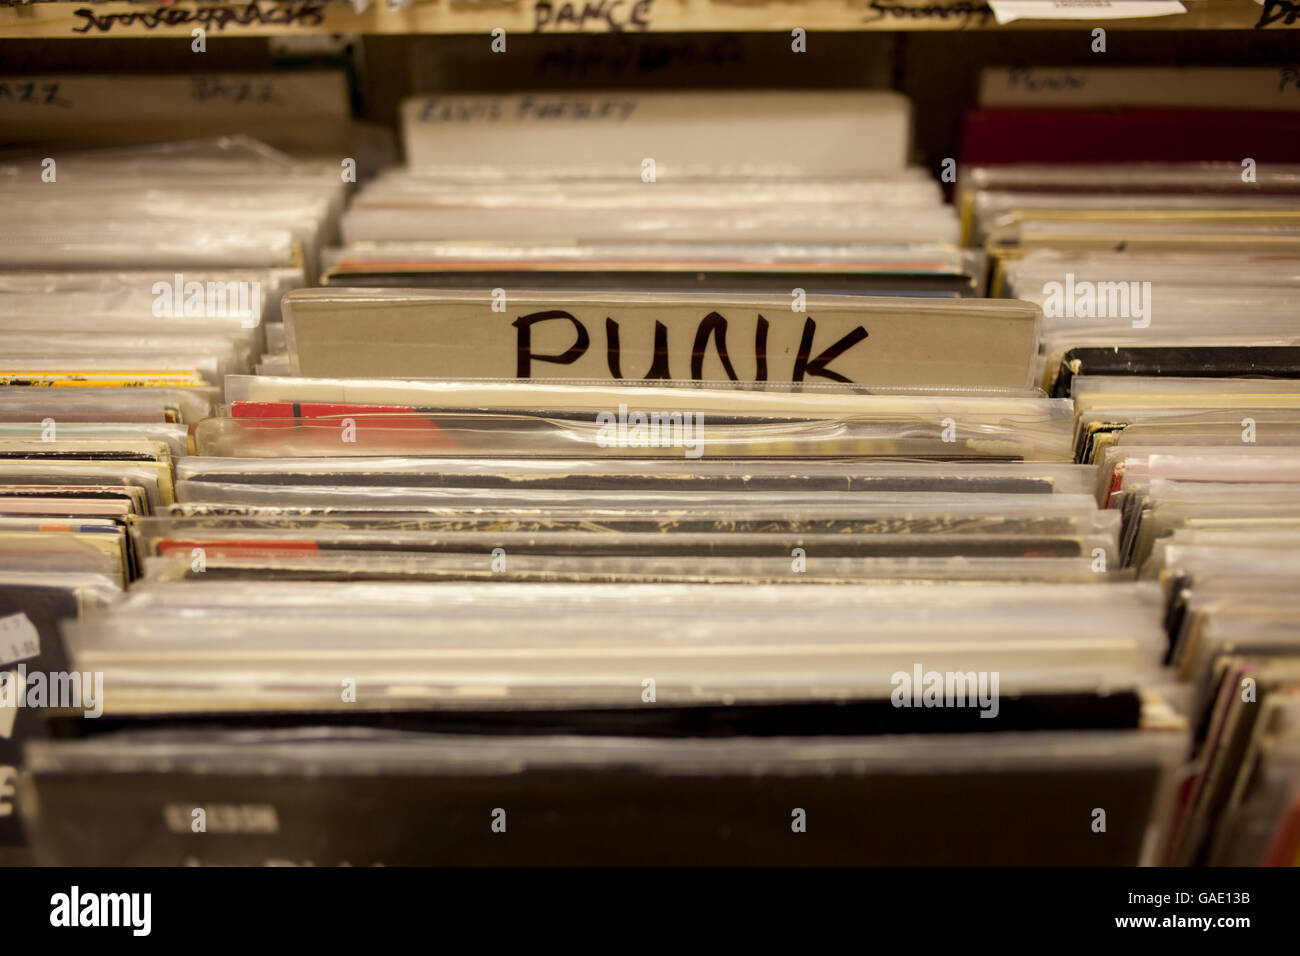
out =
column 967, row 11
column 307, row 14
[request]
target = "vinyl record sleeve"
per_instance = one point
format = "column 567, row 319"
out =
column 39, row 602
column 905, row 478
column 372, row 567
column 1201, row 362
column 585, row 800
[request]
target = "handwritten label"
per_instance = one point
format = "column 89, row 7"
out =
column 18, row 639
column 615, row 16
column 1285, row 12
column 649, row 54
column 965, row 12
column 689, row 338
column 205, row 88
column 37, row 94
column 309, row 14
column 529, row 108
column 1036, row 81
column 712, row 328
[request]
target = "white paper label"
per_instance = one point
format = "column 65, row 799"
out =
column 18, row 639
column 1007, row 10
column 7, row 777
column 12, row 688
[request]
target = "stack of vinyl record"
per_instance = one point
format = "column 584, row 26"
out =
column 128, row 296
column 669, row 506
column 1171, row 318
column 636, row 192
column 630, row 493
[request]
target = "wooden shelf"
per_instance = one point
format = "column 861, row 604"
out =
column 305, row 17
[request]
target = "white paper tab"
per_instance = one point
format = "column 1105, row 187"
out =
column 19, row 640
column 12, row 688
column 814, row 133
column 1232, row 88
column 1007, row 10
